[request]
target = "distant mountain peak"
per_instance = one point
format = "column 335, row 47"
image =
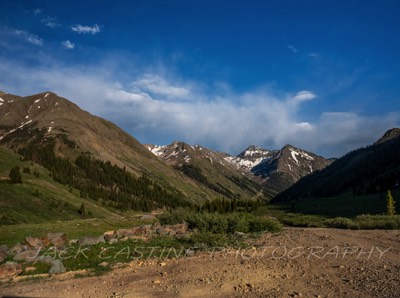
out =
column 389, row 135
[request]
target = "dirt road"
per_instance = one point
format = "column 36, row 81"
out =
column 297, row 263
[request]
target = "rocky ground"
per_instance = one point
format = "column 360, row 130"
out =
column 298, row 262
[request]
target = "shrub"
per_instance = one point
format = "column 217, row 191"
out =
column 302, row 220
column 217, row 223
column 341, row 223
column 208, row 239
column 15, row 175
column 378, row 222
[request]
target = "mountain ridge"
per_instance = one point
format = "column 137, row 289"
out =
column 367, row 170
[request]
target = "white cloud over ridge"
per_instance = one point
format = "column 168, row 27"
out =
column 151, row 108
column 86, row 29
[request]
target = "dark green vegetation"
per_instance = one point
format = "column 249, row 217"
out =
column 215, row 229
column 15, row 175
column 370, row 170
column 359, row 212
column 38, row 198
column 102, row 181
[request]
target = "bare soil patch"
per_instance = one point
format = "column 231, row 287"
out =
column 311, row 262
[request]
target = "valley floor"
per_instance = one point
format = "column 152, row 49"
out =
column 311, row 262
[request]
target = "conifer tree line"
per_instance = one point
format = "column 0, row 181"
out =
column 112, row 186
column 223, row 205
column 373, row 169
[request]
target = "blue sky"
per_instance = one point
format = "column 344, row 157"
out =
column 320, row 75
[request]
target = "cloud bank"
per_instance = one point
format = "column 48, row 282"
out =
column 159, row 108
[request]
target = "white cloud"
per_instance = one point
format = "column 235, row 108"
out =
column 221, row 119
column 31, row 38
column 68, row 44
column 303, row 96
column 313, row 55
column 37, row 11
column 159, row 86
column 86, row 29
column 293, row 49
column 50, row 22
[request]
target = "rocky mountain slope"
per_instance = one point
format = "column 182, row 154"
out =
column 287, row 166
column 55, row 132
column 276, row 170
column 210, row 168
column 373, row 169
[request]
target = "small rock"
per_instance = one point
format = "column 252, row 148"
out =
column 28, row 255
column 37, row 242
column 156, row 225
column 30, row 269
column 57, row 239
column 162, row 264
column 73, row 241
column 45, row 259
column 57, row 267
column 18, row 248
column 91, row 240
column 104, row 264
column 126, row 232
column 190, row 253
column 10, row 269
column 113, row 241
column 109, row 235
column 156, row 282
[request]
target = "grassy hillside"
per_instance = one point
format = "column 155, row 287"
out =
column 39, row 198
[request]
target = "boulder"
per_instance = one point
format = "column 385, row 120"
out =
column 73, row 241
column 57, row 267
column 27, row 255
column 110, row 235
column 10, row 269
column 182, row 228
column 45, row 259
column 18, row 248
column 34, row 242
column 57, row 239
column 126, row 232
column 143, row 230
column 91, row 240
column 156, row 225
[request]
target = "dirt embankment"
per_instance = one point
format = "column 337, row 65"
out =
column 297, row 263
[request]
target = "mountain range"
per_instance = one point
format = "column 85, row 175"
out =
column 109, row 166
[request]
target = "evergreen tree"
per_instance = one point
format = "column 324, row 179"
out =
column 81, row 210
column 390, row 204
column 15, row 175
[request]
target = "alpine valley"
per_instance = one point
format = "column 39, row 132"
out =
column 98, row 164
